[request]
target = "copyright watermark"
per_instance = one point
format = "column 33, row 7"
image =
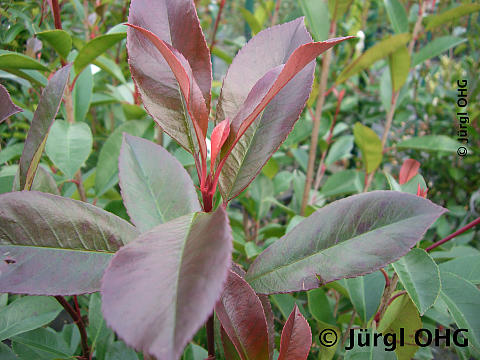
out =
column 390, row 341
column 462, row 116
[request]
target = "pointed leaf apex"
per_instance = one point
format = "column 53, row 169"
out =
column 219, row 136
column 408, row 171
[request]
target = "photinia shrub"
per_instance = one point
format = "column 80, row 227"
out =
column 166, row 276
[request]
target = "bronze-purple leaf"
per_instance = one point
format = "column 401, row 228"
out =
column 241, row 314
column 160, row 289
column 347, row 238
column 175, row 23
column 296, row 337
column 59, row 246
column 43, row 119
column 7, row 107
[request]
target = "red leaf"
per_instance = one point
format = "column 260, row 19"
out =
column 219, row 136
column 241, row 314
column 296, row 337
column 408, row 171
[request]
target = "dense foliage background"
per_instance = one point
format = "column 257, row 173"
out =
column 419, row 94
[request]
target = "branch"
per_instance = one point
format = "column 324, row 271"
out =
column 455, row 234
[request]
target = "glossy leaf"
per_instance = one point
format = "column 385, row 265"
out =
column 82, row 94
column 69, row 243
column 397, row 15
column 380, row 225
column 95, row 48
column 219, row 136
column 402, row 316
column 107, row 165
column 379, row 51
column 43, row 119
column 12, row 60
column 462, row 299
column 316, row 13
column 7, row 107
column 27, row 313
column 41, row 343
column 241, row 314
column 399, row 67
column 296, row 337
column 191, row 254
column 430, row 143
column 173, row 26
column 408, row 170
column 279, row 85
column 420, row 276
column 467, row 267
column 435, row 48
column 450, row 15
column 319, row 306
column 370, row 145
column 60, row 40
column 155, row 186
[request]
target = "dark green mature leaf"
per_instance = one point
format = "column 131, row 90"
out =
column 450, row 15
column 435, row 48
column 82, row 94
column 40, row 344
column 60, row 40
column 420, row 276
column 107, row 165
column 155, row 186
column 11, row 60
column 43, row 119
column 174, row 275
column 69, row 243
column 296, row 337
column 462, row 299
column 380, row 50
column 7, row 107
column 430, row 143
column 176, row 24
column 27, row 313
column 6, row 353
column 467, row 267
column 95, row 48
column 264, row 106
column 380, row 225
column 241, row 314
column 397, row 15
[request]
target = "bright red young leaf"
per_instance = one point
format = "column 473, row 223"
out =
column 7, row 107
column 296, row 337
column 241, row 314
column 408, row 170
column 219, row 136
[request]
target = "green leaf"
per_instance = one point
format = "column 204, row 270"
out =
column 316, row 13
column 370, row 145
column 319, row 306
column 365, row 293
column 119, row 351
column 82, row 94
column 100, row 335
column 467, row 267
column 341, row 149
column 251, row 20
column 110, row 67
column 462, row 299
column 11, row 152
column 338, row 8
column 155, row 186
column 95, row 48
column 397, row 15
column 51, row 245
column 60, row 40
column 195, row 352
column 107, row 165
column 420, row 276
column 435, row 48
column 6, row 353
column 12, row 60
column 430, row 143
column 343, row 182
column 69, row 146
column 368, row 352
column 327, row 352
column 380, row 225
column 379, row 51
column 42, row 343
column 42, row 121
column 450, row 15
column 27, row 313
column 402, row 316
column 399, row 62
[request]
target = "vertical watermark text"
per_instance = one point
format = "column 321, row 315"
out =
column 462, row 116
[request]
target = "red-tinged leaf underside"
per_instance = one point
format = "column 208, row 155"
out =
column 7, row 107
column 43, row 119
column 265, row 113
column 160, row 289
column 241, row 314
column 218, row 138
column 408, row 170
column 347, row 238
column 50, row 245
column 155, row 186
column 177, row 24
column 296, row 337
